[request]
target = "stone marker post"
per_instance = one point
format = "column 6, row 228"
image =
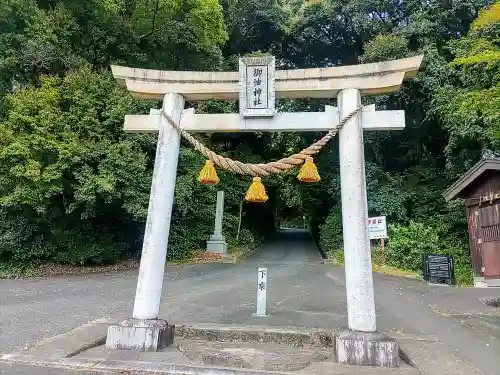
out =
column 217, row 242
column 145, row 332
column 261, row 291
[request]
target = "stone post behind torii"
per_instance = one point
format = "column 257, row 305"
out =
column 217, row 242
column 360, row 345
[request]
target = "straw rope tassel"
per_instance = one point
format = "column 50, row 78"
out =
column 256, row 192
column 208, row 174
column 308, row 172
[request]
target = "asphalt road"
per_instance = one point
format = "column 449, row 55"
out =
column 36, row 308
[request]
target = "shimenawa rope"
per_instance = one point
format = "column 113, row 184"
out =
column 260, row 170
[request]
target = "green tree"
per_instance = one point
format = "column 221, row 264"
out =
column 469, row 107
column 68, row 167
column 54, row 37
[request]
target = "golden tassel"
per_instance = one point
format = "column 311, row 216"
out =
column 308, row 172
column 208, row 174
column 256, row 192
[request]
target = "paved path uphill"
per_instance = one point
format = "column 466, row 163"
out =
column 301, row 292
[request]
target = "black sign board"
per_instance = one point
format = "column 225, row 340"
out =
column 437, row 268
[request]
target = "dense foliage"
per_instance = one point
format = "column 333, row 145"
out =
column 74, row 187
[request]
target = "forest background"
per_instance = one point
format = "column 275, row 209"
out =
column 74, row 187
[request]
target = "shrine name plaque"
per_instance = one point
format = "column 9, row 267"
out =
column 257, row 86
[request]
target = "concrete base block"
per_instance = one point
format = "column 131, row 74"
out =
column 480, row 282
column 217, row 246
column 140, row 335
column 493, row 283
column 366, row 349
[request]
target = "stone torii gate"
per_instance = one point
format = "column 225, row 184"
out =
column 256, row 86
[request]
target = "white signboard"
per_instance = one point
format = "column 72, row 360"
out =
column 377, row 227
column 257, row 91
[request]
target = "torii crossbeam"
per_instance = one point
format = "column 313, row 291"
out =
column 281, row 122
column 256, row 86
column 370, row 79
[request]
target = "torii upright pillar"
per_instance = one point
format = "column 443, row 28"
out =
column 357, row 256
column 145, row 331
column 361, row 344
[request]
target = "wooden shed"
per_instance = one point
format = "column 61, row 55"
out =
column 480, row 188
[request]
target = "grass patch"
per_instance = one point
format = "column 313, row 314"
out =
column 14, row 271
column 394, row 271
column 378, row 264
column 10, row 270
column 336, row 256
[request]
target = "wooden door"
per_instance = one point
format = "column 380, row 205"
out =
column 490, row 238
column 474, row 223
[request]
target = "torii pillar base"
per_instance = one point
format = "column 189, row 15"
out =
column 140, row 335
column 366, row 349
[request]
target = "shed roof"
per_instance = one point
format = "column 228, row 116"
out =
column 470, row 176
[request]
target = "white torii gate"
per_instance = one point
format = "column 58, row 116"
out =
column 257, row 113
